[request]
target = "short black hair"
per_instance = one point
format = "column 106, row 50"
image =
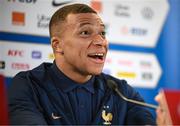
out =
column 61, row 14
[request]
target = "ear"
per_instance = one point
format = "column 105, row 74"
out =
column 56, row 45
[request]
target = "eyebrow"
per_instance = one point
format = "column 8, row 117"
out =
column 86, row 23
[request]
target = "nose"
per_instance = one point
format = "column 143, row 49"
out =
column 100, row 41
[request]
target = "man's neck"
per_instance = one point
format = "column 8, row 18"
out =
column 73, row 75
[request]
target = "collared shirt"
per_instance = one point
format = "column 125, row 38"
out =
column 45, row 96
column 80, row 96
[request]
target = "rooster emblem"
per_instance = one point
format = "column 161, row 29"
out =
column 107, row 117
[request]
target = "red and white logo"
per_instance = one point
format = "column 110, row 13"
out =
column 16, row 53
column 20, row 66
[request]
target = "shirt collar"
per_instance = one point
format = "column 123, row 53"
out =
column 66, row 84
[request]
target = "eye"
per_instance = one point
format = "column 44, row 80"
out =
column 85, row 33
column 103, row 33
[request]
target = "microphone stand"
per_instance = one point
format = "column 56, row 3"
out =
column 111, row 84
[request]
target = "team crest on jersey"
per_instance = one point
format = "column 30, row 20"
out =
column 107, row 116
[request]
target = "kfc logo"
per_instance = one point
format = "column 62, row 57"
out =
column 16, row 53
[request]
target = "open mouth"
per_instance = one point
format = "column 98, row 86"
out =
column 97, row 56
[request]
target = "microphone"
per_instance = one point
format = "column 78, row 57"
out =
column 112, row 85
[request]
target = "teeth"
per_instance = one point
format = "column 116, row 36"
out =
column 99, row 54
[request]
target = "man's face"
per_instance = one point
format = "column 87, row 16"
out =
column 84, row 44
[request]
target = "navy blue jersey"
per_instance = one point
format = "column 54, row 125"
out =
column 45, row 95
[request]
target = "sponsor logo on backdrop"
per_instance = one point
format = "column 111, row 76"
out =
column 146, row 64
column 23, row 1
column 134, row 31
column 51, row 56
column 15, row 53
column 125, row 74
column 18, row 18
column 43, row 21
column 147, row 13
column 96, row 5
column 122, row 11
column 36, row 54
column 147, row 76
column 56, row 3
column 125, row 62
column 138, row 31
column 125, row 30
column 20, row 66
column 2, row 64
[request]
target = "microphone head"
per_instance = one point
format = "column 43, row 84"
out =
column 112, row 84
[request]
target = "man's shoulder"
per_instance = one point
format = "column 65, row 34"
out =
column 38, row 77
column 42, row 67
column 35, row 73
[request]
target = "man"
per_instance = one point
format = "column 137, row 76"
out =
column 73, row 90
